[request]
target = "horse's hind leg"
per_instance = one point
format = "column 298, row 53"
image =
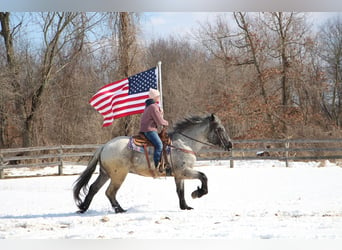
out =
column 94, row 188
column 112, row 189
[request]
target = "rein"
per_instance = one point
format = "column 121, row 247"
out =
column 193, row 139
column 204, row 143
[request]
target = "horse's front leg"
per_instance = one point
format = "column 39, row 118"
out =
column 199, row 192
column 180, row 193
column 204, row 189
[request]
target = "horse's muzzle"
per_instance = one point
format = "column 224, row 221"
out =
column 228, row 146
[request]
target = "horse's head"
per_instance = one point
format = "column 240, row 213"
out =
column 209, row 128
column 217, row 133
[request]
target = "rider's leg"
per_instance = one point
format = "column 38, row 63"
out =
column 153, row 137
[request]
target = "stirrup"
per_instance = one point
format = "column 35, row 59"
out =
column 160, row 167
column 167, row 169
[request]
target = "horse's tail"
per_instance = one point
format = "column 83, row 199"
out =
column 82, row 182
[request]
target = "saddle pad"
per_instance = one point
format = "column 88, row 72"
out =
column 132, row 146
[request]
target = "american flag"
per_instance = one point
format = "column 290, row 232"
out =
column 124, row 97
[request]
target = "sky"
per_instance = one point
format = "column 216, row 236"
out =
column 179, row 24
column 163, row 24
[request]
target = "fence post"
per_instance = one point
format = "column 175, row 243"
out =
column 287, row 146
column 2, row 175
column 61, row 163
column 231, row 160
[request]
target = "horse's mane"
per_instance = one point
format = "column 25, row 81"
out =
column 187, row 122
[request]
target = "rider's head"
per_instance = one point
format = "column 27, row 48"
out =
column 154, row 94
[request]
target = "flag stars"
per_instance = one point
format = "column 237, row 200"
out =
column 142, row 82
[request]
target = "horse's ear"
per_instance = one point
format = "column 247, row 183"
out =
column 212, row 117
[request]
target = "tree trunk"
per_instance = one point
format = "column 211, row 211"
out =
column 127, row 43
column 13, row 84
column 8, row 39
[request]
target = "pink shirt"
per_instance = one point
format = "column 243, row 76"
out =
column 152, row 118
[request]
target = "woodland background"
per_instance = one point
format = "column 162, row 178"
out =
column 267, row 75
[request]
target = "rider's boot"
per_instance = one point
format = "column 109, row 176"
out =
column 160, row 167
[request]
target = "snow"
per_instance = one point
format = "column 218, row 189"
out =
column 254, row 200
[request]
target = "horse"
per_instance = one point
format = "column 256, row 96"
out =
column 116, row 160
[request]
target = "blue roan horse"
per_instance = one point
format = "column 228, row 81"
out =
column 116, row 161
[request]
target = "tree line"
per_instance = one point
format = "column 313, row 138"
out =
column 267, row 75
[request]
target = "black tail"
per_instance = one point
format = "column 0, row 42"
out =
column 82, row 182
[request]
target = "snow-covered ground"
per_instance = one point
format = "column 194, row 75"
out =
column 253, row 200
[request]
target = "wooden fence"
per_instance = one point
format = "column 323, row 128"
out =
column 284, row 150
column 32, row 157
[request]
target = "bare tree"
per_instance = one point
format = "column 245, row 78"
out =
column 10, row 81
column 124, row 26
column 252, row 44
column 8, row 40
column 331, row 53
column 55, row 37
column 286, row 40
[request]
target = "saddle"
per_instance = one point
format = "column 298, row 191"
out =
column 142, row 141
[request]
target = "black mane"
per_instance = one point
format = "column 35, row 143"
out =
column 187, row 122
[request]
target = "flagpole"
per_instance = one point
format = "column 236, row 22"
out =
column 160, row 84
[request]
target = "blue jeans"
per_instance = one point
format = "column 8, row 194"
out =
column 153, row 137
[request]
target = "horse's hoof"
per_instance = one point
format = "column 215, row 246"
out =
column 186, row 208
column 196, row 194
column 80, row 211
column 119, row 210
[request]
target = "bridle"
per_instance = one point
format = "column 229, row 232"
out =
column 193, row 139
column 219, row 135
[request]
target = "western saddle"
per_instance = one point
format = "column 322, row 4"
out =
column 141, row 141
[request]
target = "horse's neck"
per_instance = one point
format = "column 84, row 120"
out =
column 192, row 139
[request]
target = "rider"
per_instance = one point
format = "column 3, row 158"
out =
column 150, row 120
